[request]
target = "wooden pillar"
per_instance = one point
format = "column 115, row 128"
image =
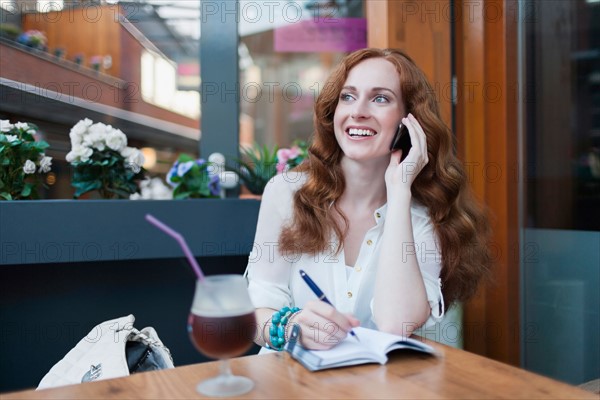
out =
column 470, row 134
column 422, row 30
column 486, row 120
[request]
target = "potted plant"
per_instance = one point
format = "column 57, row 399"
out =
column 78, row 58
column 103, row 162
column 292, row 157
column 22, row 160
column 255, row 167
column 193, row 179
column 9, row 31
column 34, row 39
column 95, row 62
column 59, row 52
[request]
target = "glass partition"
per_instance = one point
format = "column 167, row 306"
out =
column 130, row 64
column 287, row 50
column 561, row 238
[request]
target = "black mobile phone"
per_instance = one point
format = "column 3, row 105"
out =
column 401, row 141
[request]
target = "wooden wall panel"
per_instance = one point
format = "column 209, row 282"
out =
column 90, row 31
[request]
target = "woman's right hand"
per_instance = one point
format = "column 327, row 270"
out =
column 322, row 326
column 400, row 176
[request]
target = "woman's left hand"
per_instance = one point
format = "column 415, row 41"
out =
column 400, row 176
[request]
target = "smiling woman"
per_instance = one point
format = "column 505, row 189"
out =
column 380, row 236
column 369, row 110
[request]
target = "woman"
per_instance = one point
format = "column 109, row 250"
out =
column 389, row 242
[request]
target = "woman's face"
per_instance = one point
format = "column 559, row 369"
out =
column 369, row 110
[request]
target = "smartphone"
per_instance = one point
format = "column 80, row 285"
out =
column 401, row 141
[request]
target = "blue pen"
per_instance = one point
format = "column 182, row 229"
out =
column 316, row 290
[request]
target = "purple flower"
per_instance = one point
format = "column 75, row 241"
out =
column 214, row 185
column 200, row 162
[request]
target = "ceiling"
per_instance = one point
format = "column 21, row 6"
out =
column 171, row 25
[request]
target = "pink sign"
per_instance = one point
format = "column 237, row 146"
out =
column 322, row 35
column 188, row 69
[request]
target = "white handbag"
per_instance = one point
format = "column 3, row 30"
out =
column 112, row 349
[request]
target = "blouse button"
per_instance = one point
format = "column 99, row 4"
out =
column 357, row 268
column 369, row 242
column 378, row 215
column 349, row 295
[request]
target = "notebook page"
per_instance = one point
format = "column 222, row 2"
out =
column 372, row 345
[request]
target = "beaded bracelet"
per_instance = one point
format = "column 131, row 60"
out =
column 277, row 330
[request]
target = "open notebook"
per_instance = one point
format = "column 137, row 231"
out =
column 372, row 348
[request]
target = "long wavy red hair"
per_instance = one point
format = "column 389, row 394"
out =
column 461, row 223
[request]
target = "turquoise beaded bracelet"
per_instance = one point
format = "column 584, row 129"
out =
column 277, row 330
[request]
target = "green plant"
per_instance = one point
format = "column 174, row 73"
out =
column 10, row 31
column 103, row 162
column 22, row 159
column 193, row 178
column 256, row 166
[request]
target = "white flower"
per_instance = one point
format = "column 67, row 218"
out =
column 76, row 140
column 79, row 153
column 217, row 165
column 153, row 189
column 134, row 159
column 126, row 152
column 81, row 127
column 45, row 164
column 99, row 145
column 160, row 191
column 22, row 125
column 78, row 131
column 29, row 167
column 229, row 179
column 96, row 136
column 183, row 168
column 116, row 140
column 11, row 138
column 71, row 156
column 85, row 153
column 5, row 125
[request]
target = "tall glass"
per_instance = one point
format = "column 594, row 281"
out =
column 222, row 325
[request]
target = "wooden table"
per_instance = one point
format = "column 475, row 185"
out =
column 454, row 374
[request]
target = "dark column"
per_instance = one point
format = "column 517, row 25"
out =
column 219, row 72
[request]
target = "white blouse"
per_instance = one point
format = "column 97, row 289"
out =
column 274, row 280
